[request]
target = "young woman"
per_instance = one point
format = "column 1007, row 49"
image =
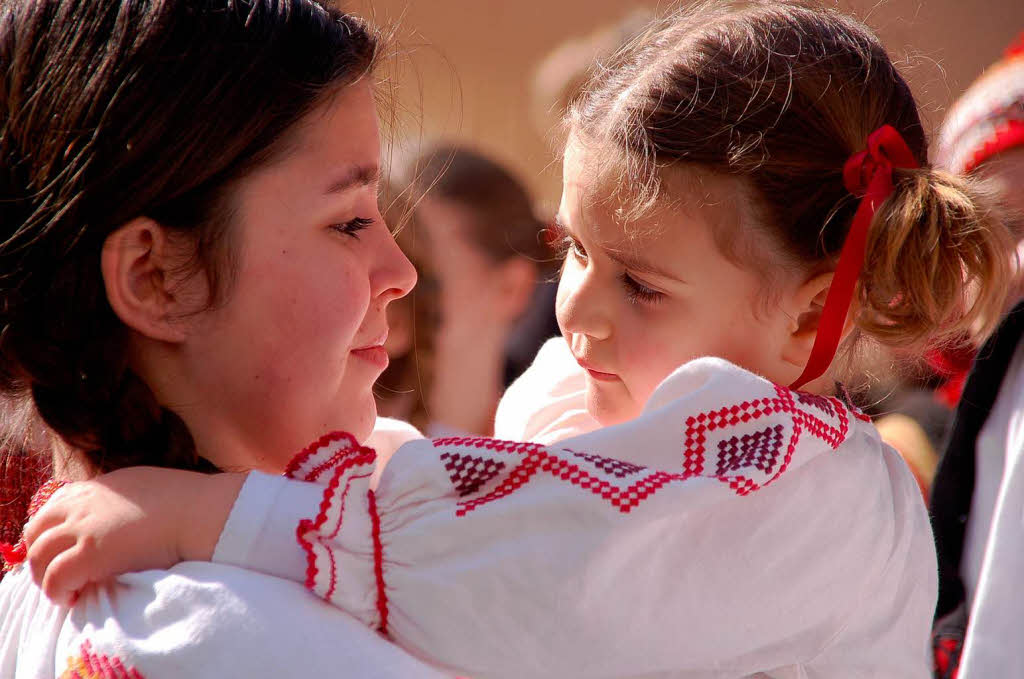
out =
column 190, row 230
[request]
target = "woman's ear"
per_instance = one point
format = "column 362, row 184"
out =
column 142, row 275
column 805, row 308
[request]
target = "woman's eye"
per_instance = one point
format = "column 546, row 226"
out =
column 352, row 227
column 638, row 293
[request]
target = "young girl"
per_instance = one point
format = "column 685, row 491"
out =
column 183, row 240
column 744, row 190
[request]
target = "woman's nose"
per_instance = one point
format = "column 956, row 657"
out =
column 394, row 276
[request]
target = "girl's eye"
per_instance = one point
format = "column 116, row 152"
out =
column 569, row 245
column 352, row 227
column 638, row 293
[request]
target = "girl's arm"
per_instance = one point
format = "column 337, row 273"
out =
column 146, row 517
column 727, row 527
column 129, row 520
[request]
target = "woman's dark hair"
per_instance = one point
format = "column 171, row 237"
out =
column 115, row 109
column 780, row 95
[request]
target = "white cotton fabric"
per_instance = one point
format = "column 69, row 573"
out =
column 196, row 620
column 994, row 546
column 546, row 403
column 518, row 560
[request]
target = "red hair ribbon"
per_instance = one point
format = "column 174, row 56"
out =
column 868, row 175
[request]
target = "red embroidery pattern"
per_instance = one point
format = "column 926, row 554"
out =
column 742, row 455
column 341, row 455
column 537, row 459
column 760, row 450
column 469, row 473
column 16, row 554
column 91, row 665
column 608, row 465
column 336, row 452
column 323, row 455
column 378, row 564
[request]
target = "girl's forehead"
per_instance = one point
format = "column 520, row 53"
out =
column 601, row 186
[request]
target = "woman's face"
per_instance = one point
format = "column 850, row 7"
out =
column 293, row 350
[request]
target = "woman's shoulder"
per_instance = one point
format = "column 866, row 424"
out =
column 204, row 619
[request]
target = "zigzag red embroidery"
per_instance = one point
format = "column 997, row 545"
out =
column 759, row 450
column 695, row 452
column 91, row 665
column 538, row 459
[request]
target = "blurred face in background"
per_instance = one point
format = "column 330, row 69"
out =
column 476, row 291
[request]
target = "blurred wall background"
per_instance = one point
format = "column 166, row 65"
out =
column 467, row 68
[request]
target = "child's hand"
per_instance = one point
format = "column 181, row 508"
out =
column 128, row 520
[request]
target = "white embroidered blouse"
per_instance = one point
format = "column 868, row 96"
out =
column 735, row 529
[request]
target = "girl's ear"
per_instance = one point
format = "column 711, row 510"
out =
column 805, row 309
column 141, row 272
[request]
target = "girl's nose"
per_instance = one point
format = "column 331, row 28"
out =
column 583, row 308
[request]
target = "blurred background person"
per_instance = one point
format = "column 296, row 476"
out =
column 978, row 495
column 485, row 300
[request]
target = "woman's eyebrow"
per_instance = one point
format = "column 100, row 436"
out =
column 355, row 175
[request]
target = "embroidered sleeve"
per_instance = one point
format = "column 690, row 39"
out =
column 87, row 664
column 722, row 528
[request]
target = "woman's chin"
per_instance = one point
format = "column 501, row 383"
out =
column 362, row 424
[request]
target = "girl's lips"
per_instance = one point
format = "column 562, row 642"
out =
column 375, row 355
column 603, row 377
column 597, row 374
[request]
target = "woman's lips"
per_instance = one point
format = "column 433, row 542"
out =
column 376, row 355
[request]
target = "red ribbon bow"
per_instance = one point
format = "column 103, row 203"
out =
column 868, row 175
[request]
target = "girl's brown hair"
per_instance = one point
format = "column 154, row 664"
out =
column 114, row 109
column 780, row 95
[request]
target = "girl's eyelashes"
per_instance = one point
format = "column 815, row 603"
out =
column 569, row 245
column 637, row 292
column 353, row 226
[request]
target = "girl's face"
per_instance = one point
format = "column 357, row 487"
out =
column 634, row 307
column 294, row 349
